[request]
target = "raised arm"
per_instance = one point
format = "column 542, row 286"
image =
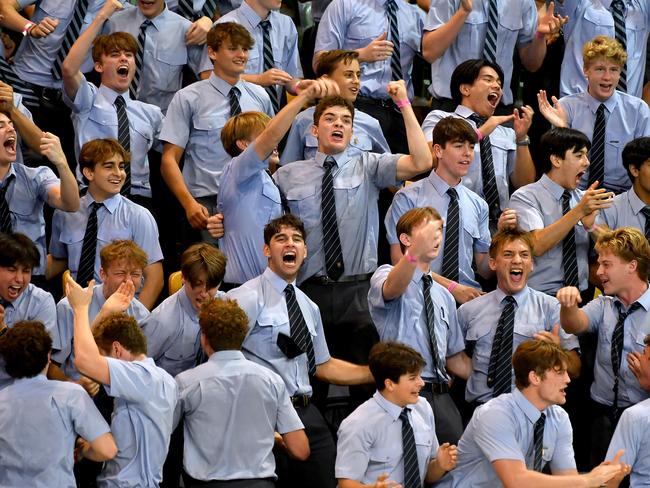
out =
column 419, row 158
column 28, row 130
column 436, row 42
column 65, row 196
column 11, row 19
column 572, row 319
column 339, row 372
column 72, row 63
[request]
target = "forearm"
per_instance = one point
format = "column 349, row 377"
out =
column 86, row 351
column 434, row 472
column 54, row 373
column 28, row 130
column 72, row 63
column 268, row 140
column 532, row 55
column 435, row 43
column 552, row 235
column 10, row 18
column 459, row 365
column 524, row 172
column 483, row 264
column 69, row 189
column 573, row 320
column 419, row 159
column 339, row 372
column 173, row 177
column 252, row 78
column 574, row 364
column 153, row 284
column 54, row 267
column 398, row 279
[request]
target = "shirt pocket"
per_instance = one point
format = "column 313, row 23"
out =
column 361, row 142
column 108, row 233
column 206, row 136
column 362, row 32
column 58, row 9
column 470, row 32
column 141, row 142
column 103, row 121
column 169, row 64
column 480, row 333
column 384, row 458
column 636, row 24
column 307, row 202
column 510, row 24
column 599, row 22
column 349, row 195
column 28, row 210
column 182, row 349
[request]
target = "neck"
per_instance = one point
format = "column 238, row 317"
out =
column 423, row 266
column 230, row 79
column 446, row 176
column 597, row 98
column 98, row 195
column 258, row 9
column 633, row 292
column 531, row 394
column 387, row 395
column 4, row 170
column 643, row 195
column 556, row 177
column 115, row 89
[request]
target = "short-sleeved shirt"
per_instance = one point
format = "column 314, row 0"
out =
column 40, row 421
column 263, row 300
column 602, row 313
column 627, row 118
column 35, row 56
column 404, row 319
column 118, row 218
column 432, row 192
column 539, row 205
column 194, row 120
column 173, row 333
column 517, row 28
column 633, row 435
column 223, row 6
column 232, row 407
column 62, row 337
column 249, row 199
column 357, row 181
column 94, row 116
column 503, row 428
column 624, row 212
column 504, row 153
column 591, row 18
column 25, row 197
column 283, row 36
column 370, row 440
column 142, row 422
column 534, row 311
column 353, row 24
column 302, row 144
column 165, row 53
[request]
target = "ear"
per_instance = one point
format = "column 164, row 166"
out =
column 314, row 131
column 465, row 89
column 211, row 54
column 533, row 379
column 492, row 263
column 634, row 170
column 437, row 150
column 117, row 349
column 241, row 145
column 89, row 173
column 389, row 385
column 99, row 67
column 632, row 266
column 267, row 250
column 405, row 239
column 556, row 161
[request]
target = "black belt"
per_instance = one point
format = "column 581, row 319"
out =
column 300, row 400
column 436, row 388
column 324, row 280
column 380, row 102
column 52, row 95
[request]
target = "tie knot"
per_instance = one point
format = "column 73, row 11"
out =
column 633, row 308
column 477, row 119
column 601, row 109
column 390, row 5
column 566, row 196
column 541, row 419
column 329, row 163
column 289, row 291
column 234, row 92
column 265, row 25
column 145, row 24
column 617, row 4
column 404, row 414
column 509, row 300
column 119, row 101
column 427, row 280
column 96, row 206
column 646, row 211
column 453, row 194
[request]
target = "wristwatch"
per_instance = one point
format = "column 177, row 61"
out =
column 524, row 142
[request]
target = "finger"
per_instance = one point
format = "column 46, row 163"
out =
column 556, row 329
column 383, row 36
column 618, row 456
column 551, row 8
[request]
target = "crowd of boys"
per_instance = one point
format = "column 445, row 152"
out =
column 478, row 295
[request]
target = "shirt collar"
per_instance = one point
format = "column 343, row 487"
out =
column 228, row 355
column 520, row 297
column 250, row 15
column 157, row 21
column 417, row 275
column 464, row 112
column 12, row 171
column 187, row 307
column 554, row 189
column 277, row 283
column 635, row 202
column 644, row 300
column 530, row 411
column 110, row 95
column 222, row 86
column 440, row 185
column 110, row 203
column 610, row 103
column 391, row 408
column 340, row 158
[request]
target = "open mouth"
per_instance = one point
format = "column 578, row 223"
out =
column 337, row 135
column 493, row 99
column 14, row 291
column 115, row 181
column 516, row 275
column 123, row 70
column 289, row 258
column 10, row 143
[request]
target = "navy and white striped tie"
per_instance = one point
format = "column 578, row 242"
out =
column 451, row 246
column 538, row 443
column 298, row 330
column 139, row 58
column 5, row 213
column 331, row 240
column 124, row 138
column 490, row 189
column 269, row 63
column 7, row 74
column 71, row 35
column 490, row 47
column 86, row 268
column 500, row 366
column 618, row 12
column 395, row 59
column 597, row 153
column 569, row 258
column 233, row 98
column 411, row 465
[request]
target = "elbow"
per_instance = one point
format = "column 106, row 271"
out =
column 428, row 52
column 67, row 71
column 109, row 450
column 301, row 451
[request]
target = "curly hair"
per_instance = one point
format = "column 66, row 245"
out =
column 25, row 348
column 603, row 47
column 223, row 323
column 122, row 328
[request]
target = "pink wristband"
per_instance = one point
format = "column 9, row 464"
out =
column 479, row 134
column 452, row 286
column 539, row 35
column 403, row 103
column 410, row 259
column 592, row 228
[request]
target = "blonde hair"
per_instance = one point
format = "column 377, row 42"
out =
column 603, row 47
column 629, row 244
column 244, row 126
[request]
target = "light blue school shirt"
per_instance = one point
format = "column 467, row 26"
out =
column 624, row 212
column 119, row 218
column 633, row 435
column 503, row 428
column 25, row 197
column 504, row 153
column 534, row 312
column 432, row 192
column 627, row 118
column 223, row 6
column 602, row 314
column 538, row 205
column 249, row 200
column 283, row 36
column 302, row 144
column 370, row 440
column 591, row 18
column 232, row 407
column 517, row 28
column 63, row 335
column 35, row 56
column 353, row 24
column 404, row 319
column 165, row 53
column 357, row 181
column 142, row 422
column 94, row 117
column 40, row 421
column 263, row 300
column 194, row 120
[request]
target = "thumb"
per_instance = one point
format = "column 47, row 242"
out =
column 618, row 456
column 594, row 185
column 556, row 329
column 382, row 37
